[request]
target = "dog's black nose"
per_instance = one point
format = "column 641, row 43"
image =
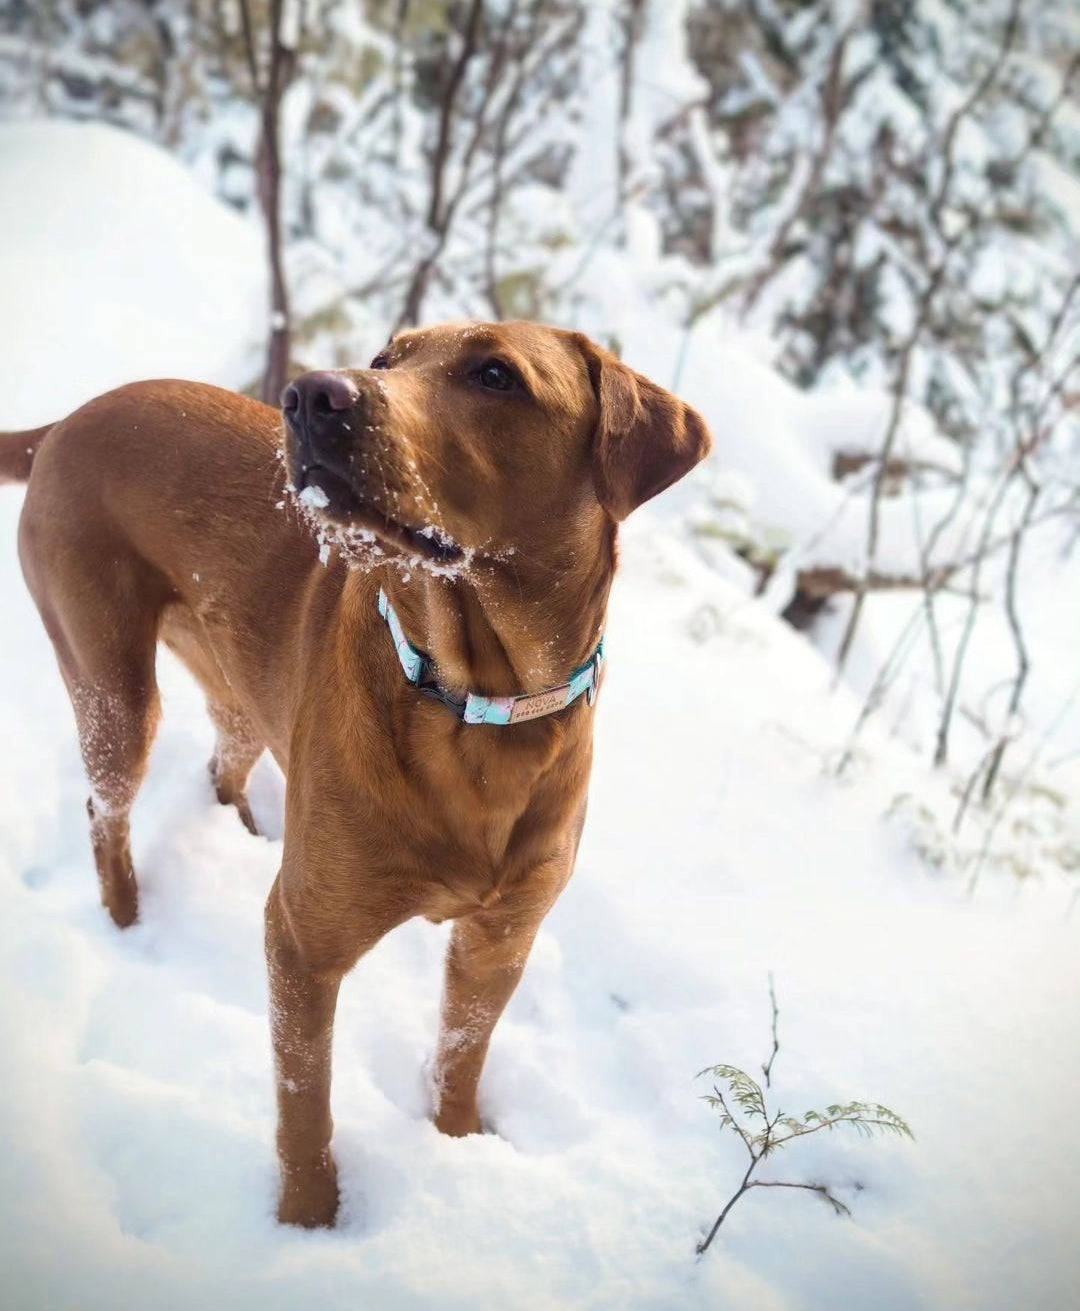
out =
column 315, row 395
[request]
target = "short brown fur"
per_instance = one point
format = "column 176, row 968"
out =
column 160, row 512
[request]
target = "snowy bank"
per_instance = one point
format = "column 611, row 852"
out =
column 114, row 265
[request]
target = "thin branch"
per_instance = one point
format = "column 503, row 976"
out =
column 1018, row 783
column 834, row 1202
column 440, row 210
column 833, row 98
column 1023, row 658
column 961, row 112
column 766, row 1069
column 397, row 77
column 888, row 441
column 447, row 111
column 941, row 746
column 251, row 50
column 633, row 26
column 893, row 662
column 744, row 1187
column 748, row 1141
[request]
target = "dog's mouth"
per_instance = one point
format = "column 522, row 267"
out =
column 329, row 494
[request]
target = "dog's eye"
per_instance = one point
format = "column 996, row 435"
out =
column 496, row 376
column 381, row 361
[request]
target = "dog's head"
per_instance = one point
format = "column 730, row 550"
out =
column 473, row 438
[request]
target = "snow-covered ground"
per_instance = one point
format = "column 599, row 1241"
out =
column 113, row 266
column 136, row 1108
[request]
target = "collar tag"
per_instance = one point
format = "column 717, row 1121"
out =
column 542, row 703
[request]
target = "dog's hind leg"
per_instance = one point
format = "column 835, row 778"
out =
column 101, row 606
column 238, row 743
column 236, row 750
column 117, row 709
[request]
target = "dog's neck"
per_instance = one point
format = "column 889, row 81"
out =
column 507, row 627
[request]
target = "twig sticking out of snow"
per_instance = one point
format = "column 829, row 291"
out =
column 744, row 1102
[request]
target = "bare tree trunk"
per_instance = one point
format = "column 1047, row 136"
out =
column 440, row 210
column 269, row 91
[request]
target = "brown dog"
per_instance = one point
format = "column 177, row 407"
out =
column 476, row 475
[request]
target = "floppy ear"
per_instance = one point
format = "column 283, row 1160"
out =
column 646, row 438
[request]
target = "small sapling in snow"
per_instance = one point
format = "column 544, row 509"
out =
column 741, row 1104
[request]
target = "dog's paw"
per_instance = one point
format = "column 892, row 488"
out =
column 243, row 809
column 229, row 795
column 309, row 1197
column 458, row 1122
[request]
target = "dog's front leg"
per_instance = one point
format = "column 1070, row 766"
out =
column 302, row 1004
column 487, row 954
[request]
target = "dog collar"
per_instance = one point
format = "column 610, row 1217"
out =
column 476, row 709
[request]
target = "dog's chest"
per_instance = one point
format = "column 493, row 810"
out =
column 489, row 835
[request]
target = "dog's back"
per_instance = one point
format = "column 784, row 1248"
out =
column 165, row 502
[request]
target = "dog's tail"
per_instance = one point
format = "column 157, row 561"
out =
column 17, row 451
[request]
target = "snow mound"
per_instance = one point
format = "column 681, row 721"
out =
column 115, row 265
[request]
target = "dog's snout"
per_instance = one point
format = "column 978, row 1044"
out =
column 318, row 395
column 318, row 410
